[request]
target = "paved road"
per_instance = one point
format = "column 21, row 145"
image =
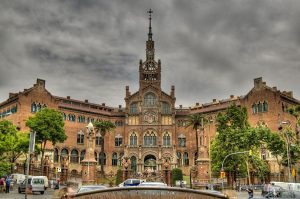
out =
column 15, row 195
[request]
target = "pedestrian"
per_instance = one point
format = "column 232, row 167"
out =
column 1, row 185
column 250, row 193
column 7, row 182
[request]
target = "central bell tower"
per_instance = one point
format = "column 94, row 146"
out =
column 150, row 70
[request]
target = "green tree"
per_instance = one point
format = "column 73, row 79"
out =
column 5, row 168
column 196, row 121
column 13, row 143
column 49, row 127
column 118, row 177
column 103, row 127
column 276, row 145
column 176, row 175
column 234, row 134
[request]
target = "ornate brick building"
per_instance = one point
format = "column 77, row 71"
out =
column 150, row 128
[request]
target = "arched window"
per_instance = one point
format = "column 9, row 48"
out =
column 74, row 156
column 96, row 156
column 166, row 139
column 254, row 108
column 118, row 140
column 33, row 107
column 64, row 153
column 82, row 154
column 133, row 163
column 181, row 140
column 259, row 107
column 179, row 159
column 98, row 139
column 102, row 158
column 133, row 139
column 71, row 118
column 150, row 139
column 80, row 137
column 120, row 158
column 195, row 158
column 149, row 99
column 81, row 119
column 64, row 116
column 185, row 159
column 133, row 108
column 165, row 108
column 265, row 106
column 38, row 107
column 119, row 123
column 55, row 155
column 114, row 159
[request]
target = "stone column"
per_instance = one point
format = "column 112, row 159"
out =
column 126, row 168
column 166, row 168
column 64, row 170
column 89, row 162
column 46, row 166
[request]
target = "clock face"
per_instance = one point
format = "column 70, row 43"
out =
column 150, row 66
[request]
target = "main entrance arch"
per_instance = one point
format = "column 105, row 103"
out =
column 150, row 163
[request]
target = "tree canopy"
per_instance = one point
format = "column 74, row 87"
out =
column 196, row 121
column 49, row 127
column 103, row 127
column 234, row 134
column 12, row 143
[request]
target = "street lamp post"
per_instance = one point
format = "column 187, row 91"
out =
column 287, row 147
column 30, row 151
column 222, row 169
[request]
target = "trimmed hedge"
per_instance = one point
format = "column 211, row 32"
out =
column 176, row 175
column 119, row 177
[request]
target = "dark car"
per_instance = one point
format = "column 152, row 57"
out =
column 281, row 194
column 87, row 188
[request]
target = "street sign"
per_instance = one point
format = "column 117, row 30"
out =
column 58, row 169
column 294, row 172
column 222, row 174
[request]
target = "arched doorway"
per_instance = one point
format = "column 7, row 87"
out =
column 133, row 164
column 150, row 163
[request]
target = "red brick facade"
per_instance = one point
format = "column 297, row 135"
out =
column 150, row 128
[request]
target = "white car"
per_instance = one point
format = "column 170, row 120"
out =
column 35, row 184
column 153, row 184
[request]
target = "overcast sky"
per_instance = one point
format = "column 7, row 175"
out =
column 90, row 49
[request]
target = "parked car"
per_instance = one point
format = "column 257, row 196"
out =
column 153, row 184
column 281, row 194
column 131, row 182
column 87, row 188
column 35, row 184
column 46, row 181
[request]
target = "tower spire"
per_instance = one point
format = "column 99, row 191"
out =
column 150, row 28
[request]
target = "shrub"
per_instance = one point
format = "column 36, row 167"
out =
column 119, row 177
column 176, row 175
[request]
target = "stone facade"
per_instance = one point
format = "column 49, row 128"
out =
column 150, row 129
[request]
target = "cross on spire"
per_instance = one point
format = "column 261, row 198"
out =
column 150, row 28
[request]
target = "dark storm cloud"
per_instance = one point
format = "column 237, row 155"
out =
column 91, row 49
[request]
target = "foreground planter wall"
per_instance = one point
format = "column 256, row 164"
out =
column 148, row 193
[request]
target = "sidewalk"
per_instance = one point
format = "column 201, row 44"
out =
column 242, row 194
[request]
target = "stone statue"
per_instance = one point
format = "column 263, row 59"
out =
column 126, row 163
column 166, row 164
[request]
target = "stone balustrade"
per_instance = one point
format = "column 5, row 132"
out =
column 149, row 193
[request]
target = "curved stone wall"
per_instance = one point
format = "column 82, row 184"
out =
column 149, row 193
